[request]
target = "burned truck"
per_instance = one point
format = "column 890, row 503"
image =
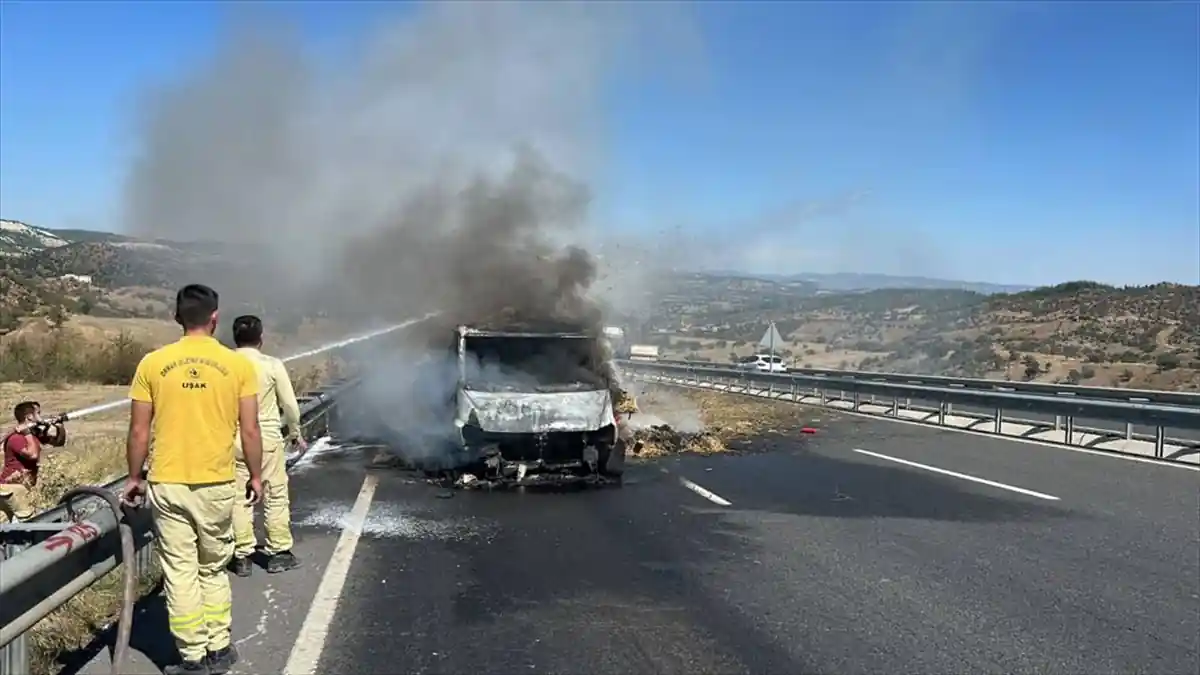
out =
column 536, row 406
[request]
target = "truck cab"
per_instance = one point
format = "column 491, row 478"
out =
column 532, row 402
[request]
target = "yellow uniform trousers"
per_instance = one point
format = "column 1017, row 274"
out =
column 277, row 512
column 15, row 501
column 194, row 527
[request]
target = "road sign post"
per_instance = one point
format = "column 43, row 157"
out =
column 769, row 340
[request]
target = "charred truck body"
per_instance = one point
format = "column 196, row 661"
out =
column 536, row 406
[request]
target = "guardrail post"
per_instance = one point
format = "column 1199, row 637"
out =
column 1070, row 435
column 14, row 656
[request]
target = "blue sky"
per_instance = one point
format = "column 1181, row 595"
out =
column 1024, row 143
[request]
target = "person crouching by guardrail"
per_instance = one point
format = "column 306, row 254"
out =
column 22, row 454
column 197, row 395
column 275, row 394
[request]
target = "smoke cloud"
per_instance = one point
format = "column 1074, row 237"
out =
column 445, row 165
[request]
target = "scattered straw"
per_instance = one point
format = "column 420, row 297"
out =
column 660, row 440
column 721, row 422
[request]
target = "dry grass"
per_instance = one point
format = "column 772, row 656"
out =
column 76, row 624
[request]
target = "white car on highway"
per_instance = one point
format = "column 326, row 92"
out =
column 763, row 363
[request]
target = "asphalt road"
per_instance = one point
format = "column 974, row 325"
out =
column 825, row 559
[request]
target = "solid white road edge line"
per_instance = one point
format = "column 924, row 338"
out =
column 963, row 476
column 306, row 652
column 1111, row 454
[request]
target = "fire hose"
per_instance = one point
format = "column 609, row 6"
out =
column 128, row 559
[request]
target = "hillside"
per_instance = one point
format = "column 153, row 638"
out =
column 54, row 274
column 17, row 238
column 1075, row 332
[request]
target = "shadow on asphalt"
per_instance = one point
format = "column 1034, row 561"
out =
column 150, row 637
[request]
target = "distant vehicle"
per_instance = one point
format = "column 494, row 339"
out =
column 763, row 363
column 643, row 353
column 535, row 405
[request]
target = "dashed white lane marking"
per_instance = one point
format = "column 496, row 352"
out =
column 703, row 491
column 963, row 476
column 306, row 652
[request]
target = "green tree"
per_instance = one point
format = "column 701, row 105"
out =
column 1032, row 367
column 57, row 314
column 1167, row 361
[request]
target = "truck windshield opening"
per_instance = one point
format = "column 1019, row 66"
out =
column 526, row 363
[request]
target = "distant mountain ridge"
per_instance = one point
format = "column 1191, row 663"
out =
column 17, row 238
column 852, row 281
column 848, row 282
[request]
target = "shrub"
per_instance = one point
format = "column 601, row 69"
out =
column 63, row 357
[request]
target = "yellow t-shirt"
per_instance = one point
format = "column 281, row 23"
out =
column 194, row 385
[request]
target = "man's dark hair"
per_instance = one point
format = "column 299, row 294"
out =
column 194, row 305
column 247, row 330
column 24, row 409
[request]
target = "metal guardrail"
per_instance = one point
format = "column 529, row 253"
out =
column 898, row 393
column 1183, row 398
column 46, row 561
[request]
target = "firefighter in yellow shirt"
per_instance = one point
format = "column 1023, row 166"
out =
column 194, row 395
column 275, row 395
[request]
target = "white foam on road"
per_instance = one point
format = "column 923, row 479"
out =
column 390, row 521
column 322, row 446
column 306, row 652
column 961, row 476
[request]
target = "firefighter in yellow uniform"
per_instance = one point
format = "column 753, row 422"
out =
column 275, row 395
column 194, row 394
